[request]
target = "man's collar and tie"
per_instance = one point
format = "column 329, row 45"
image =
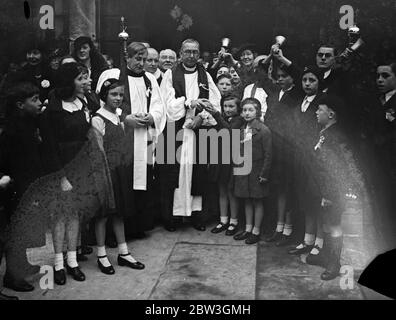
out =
column 282, row 92
column 306, row 102
column 387, row 96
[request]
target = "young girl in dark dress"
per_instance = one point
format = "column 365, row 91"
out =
column 74, row 152
column 230, row 119
column 253, row 186
column 119, row 154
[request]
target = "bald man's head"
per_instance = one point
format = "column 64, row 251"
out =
column 167, row 59
column 152, row 60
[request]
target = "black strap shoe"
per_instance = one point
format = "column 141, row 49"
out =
column 76, row 273
column 284, row 241
column 304, row 249
column 134, row 265
column 276, row 236
column 60, row 277
column 106, row 270
column 233, row 230
column 219, row 228
column 253, row 238
column 242, row 236
column 199, row 227
column 18, row 285
column 4, row 297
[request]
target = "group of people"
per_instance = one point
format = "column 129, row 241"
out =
column 89, row 148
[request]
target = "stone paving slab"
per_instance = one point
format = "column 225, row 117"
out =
column 208, row 271
column 281, row 276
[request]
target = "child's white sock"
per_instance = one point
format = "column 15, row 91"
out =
column 234, row 222
column 102, row 252
column 72, row 259
column 288, row 229
column 256, row 231
column 280, row 226
column 59, row 261
column 309, row 239
column 248, row 228
column 224, row 220
column 319, row 243
column 123, row 250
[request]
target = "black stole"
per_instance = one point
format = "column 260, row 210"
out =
column 199, row 176
column 147, row 82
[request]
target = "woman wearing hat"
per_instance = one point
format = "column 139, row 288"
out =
column 75, row 154
column 86, row 53
column 107, row 121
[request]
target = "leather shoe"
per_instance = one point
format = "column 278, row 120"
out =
column 231, row 232
column 276, row 236
column 170, row 227
column 316, row 259
column 86, row 250
column 111, row 243
column 106, row 270
column 18, row 285
column 284, row 241
column 75, row 273
column 242, row 236
column 219, row 228
column 60, row 277
column 253, row 238
column 199, row 227
column 303, row 250
column 81, row 257
column 4, row 297
column 134, row 265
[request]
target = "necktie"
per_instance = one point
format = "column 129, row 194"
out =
column 305, row 105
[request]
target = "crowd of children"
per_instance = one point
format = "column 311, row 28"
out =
column 78, row 145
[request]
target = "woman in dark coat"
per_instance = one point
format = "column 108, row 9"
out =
column 86, row 53
column 252, row 186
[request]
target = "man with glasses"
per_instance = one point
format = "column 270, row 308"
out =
column 187, row 90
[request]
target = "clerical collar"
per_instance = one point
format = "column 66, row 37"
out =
column 189, row 70
column 134, row 74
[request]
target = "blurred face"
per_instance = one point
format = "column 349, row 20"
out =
column 137, row 62
column 114, row 98
column 224, row 85
column 222, row 70
column 386, row 79
column 284, row 80
column 190, row 54
column 234, row 74
column 310, row 84
column 34, row 57
column 31, row 106
column 86, row 82
column 80, row 84
column 152, row 61
column 324, row 114
column 230, row 108
column 247, row 58
column 167, row 60
column 325, row 58
column 249, row 112
column 206, row 56
column 83, row 52
column 54, row 63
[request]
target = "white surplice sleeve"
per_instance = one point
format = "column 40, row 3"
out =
column 157, row 105
column 174, row 106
